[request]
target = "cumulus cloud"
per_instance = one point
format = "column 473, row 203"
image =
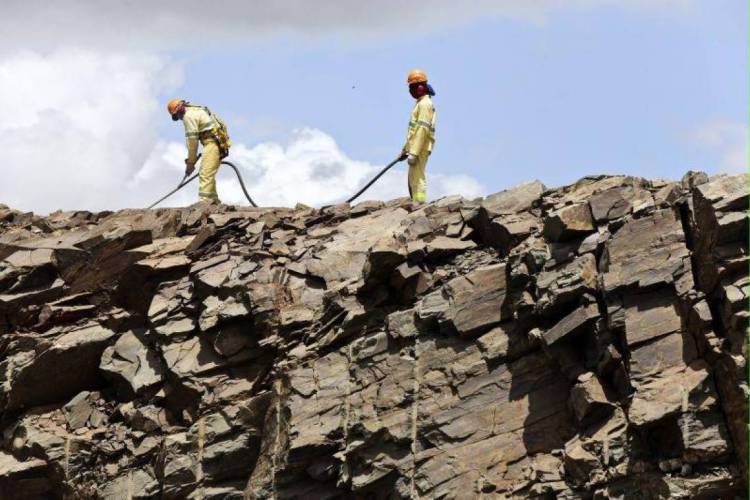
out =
column 310, row 169
column 79, row 82
column 176, row 24
column 728, row 141
column 68, row 140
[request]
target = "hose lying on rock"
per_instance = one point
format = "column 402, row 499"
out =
column 187, row 180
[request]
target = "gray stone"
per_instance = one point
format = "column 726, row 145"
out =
column 443, row 246
column 477, row 300
column 78, row 410
column 34, row 379
column 538, row 343
column 132, row 363
column 667, row 262
column 588, row 399
column 216, row 310
column 571, row 324
column 569, row 222
column 23, row 479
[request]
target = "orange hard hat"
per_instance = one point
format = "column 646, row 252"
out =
column 173, row 105
column 416, row 76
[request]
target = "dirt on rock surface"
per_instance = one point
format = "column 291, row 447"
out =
column 583, row 342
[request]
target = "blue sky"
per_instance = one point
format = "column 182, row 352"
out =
column 594, row 91
column 314, row 94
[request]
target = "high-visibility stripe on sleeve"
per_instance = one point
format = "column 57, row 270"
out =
column 421, row 123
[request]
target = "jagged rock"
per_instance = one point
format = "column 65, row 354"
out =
column 476, row 301
column 667, row 195
column 443, row 246
column 137, row 483
column 503, row 219
column 23, row 479
column 212, row 276
column 667, row 261
column 28, row 376
column 692, row 179
column 618, row 202
column 571, row 324
column 36, row 295
column 170, row 308
column 650, row 316
column 144, row 418
column 81, row 411
column 191, row 357
column 410, row 280
column 676, row 389
column 732, row 385
column 402, row 324
column 569, row 222
column 64, row 311
column 600, row 453
column 518, row 199
column 538, row 343
column 504, row 343
column 165, row 256
column 132, row 363
column 560, row 286
column 216, row 310
column 721, row 228
column 588, row 399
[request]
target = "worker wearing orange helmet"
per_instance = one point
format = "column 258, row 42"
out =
column 421, row 134
column 202, row 126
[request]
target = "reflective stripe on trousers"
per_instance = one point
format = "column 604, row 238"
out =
column 210, row 161
column 417, row 180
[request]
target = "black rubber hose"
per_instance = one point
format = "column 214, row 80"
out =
column 242, row 183
column 387, row 167
column 186, row 181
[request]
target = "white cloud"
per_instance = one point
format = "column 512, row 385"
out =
column 80, row 125
column 728, row 141
column 80, row 131
column 310, row 169
column 77, row 125
column 193, row 23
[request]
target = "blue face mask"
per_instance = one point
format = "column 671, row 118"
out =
column 430, row 90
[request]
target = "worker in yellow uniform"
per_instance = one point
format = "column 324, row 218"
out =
column 204, row 126
column 421, row 135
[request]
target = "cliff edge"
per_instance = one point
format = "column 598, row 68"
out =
column 588, row 341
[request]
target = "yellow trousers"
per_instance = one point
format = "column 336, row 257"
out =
column 210, row 161
column 417, row 180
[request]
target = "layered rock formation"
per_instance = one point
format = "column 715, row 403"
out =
column 581, row 342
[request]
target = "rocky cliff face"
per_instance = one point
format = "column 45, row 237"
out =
column 581, row 342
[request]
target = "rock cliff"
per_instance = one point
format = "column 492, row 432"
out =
column 588, row 341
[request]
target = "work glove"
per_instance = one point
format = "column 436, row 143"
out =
column 412, row 159
column 189, row 168
column 403, row 156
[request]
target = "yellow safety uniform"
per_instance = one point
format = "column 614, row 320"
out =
column 199, row 126
column 419, row 141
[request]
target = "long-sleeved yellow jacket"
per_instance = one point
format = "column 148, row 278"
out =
column 197, row 121
column 421, row 135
